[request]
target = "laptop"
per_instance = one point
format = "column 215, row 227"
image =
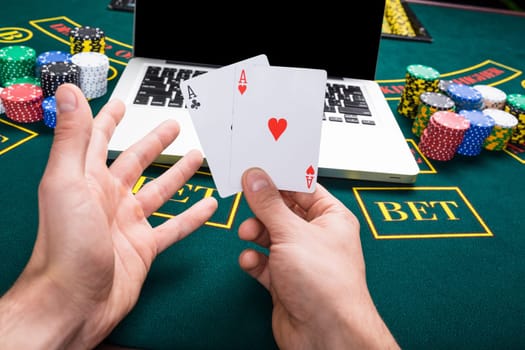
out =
column 360, row 137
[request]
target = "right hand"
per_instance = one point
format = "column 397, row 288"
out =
column 315, row 269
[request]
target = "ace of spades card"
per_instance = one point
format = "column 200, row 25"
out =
column 277, row 125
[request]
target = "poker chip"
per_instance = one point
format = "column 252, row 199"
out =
column 430, row 102
column 418, row 79
column 87, row 39
column 23, row 102
column 443, row 135
column 2, row 110
column 464, row 96
column 50, row 57
column 480, row 128
column 49, row 109
column 16, row 61
column 492, row 96
column 504, row 125
column 94, row 68
column 26, row 79
column 397, row 19
column 515, row 105
column 443, row 85
column 54, row 74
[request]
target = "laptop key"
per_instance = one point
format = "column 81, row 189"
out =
column 354, row 110
column 141, row 100
column 351, row 119
column 158, row 100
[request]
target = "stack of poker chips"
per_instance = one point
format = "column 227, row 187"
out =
column 397, row 19
column 504, row 125
column 418, row 79
column 87, row 39
column 23, row 102
column 515, row 105
column 492, row 96
column 54, row 74
column 94, row 68
column 464, row 96
column 16, row 61
column 481, row 126
column 49, row 108
column 48, row 57
column 443, row 135
column 430, row 102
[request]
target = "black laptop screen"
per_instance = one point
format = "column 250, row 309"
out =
column 325, row 35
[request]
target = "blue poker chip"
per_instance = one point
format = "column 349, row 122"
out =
column 481, row 126
column 49, row 107
column 49, row 57
column 465, row 96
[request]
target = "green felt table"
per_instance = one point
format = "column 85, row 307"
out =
column 445, row 256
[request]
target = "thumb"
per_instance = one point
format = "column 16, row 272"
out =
column 265, row 200
column 72, row 132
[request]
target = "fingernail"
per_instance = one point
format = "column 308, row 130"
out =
column 67, row 101
column 256, row 180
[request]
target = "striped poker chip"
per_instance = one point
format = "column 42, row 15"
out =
column 23, row 102
column 94, row 67
column 465, row 96
column 430, row 102
column 515, row 105
column 54, row 74
column 480, row 128
column 504, row 125
column 21, row 80
column 48, row 57
column 443, row 135
column 49, row 108
column 86, row 39
column 418, row 79
column 492, row 96
column 16, row 61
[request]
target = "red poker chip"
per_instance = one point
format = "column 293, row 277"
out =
column 450, row 120
column 23, row 102
column 21, row 93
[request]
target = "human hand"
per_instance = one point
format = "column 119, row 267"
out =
column 315, row 270
column 95, row 245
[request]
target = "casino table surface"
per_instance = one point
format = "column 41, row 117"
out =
column 445, row 256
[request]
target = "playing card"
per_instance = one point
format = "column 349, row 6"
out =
column 209, row 99
column 277, row 125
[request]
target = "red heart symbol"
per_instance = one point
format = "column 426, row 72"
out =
column 277, row 127
column 242, row 88
column 310, row 170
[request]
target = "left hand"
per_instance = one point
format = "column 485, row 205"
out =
column 95, row 245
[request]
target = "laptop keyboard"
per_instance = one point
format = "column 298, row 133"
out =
column 161, row 87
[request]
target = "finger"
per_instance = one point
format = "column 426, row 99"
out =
column 254, row 231
column 155, row 193
column 72, row 131
column 267, row 204
column 104, row 125
column 131, row 163
column 256, row 265
column 185, row 223
column 315, row 204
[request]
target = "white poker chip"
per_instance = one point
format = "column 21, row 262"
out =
column 94, row 67
column 492, row 96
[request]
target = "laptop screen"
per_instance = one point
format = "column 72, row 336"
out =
column 324, row 36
